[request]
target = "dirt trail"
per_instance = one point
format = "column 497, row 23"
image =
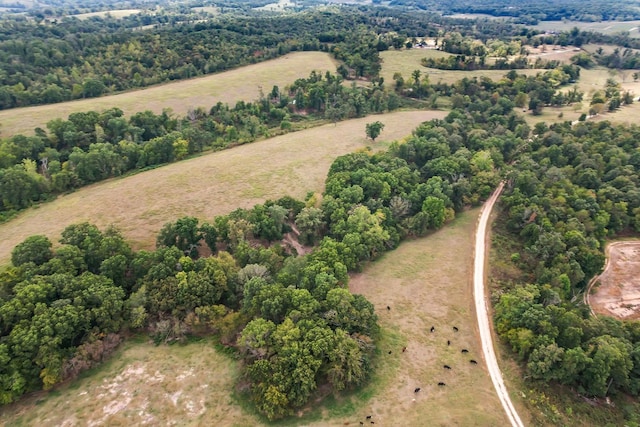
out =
column 481, row 312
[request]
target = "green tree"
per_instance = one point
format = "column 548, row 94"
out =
column 35, row 249
column 374, row 129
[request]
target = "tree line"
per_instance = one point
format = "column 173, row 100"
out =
column 91, row 146
column 81, row 59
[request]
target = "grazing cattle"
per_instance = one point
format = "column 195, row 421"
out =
column 416, row 390
column 373, row 422
column 404, row 349
column 368, row 417
column 388, row 308
column 447, row 367
column 361, row 423
column 473, row 362
column 389, row 351
column 448, row 342
column 441, row 384
column 455, row 329
column 433, row 328
column 464, row 350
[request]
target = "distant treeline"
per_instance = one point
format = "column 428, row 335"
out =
column 49, row 63
column 529, row 12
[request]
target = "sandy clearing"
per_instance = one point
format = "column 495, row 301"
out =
column 618, row 292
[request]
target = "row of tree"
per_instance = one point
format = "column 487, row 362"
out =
column 92, row 146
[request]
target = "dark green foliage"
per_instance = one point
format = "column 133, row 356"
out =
column 569, row 193
column 35, row 249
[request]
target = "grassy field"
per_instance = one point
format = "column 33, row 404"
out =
column 193, row 384
column 605, row 27
column 143, row 384
column 114, row 13
column 404, row 279
column 231, row 86
column 209, row 185
column 406, row 61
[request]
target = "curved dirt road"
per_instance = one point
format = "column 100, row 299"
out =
column 481, row 311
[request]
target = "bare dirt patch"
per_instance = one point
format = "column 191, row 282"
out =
column 210, row 185
column 553, row 53
column 617, row 290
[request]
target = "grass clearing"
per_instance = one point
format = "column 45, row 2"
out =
column 605, row 27
column 406, row 61
column 190, row 384
column 228, row 87
column 113, row 13
column 406, row 280
column 209, row 185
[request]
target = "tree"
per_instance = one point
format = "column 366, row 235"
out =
column 36, row 249
column 374, row 129
column 183, row 234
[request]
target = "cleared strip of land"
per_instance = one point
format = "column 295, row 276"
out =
column 228, row 87
column 209, row 185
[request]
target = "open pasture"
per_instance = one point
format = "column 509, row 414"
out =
column 428, row 283
column 113, row 13
column 406, row 61
column 605, row 27
column 209, row 185
column 143, row 384
column 228, row 87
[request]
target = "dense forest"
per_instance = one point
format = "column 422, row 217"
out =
column 575, row 187
column 64, row 310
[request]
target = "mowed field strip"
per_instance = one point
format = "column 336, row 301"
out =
column 242, row 83
column 209, row 185
column 426, row 282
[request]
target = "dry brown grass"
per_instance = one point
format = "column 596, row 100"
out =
column 143, row 384
column 209, row 185
column 406, row 61
column 122, row 13
column 428, row 282
column 605, row 27
column 227, row 87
